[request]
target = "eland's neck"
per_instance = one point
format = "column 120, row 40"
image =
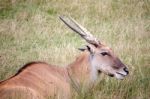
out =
column 81, row 70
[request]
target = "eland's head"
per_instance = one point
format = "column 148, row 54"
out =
column 102, row 58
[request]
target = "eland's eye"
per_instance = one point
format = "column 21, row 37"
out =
column 104, row 53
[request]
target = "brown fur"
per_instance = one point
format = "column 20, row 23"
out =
column 39, row 79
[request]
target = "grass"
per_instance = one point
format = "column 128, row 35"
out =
column 31, row 30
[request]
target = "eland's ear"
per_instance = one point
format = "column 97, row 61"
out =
column 82, row 49
column 89, row 48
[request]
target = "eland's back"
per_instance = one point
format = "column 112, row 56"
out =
column 35, row 80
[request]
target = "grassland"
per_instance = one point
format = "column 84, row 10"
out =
column 30, row 30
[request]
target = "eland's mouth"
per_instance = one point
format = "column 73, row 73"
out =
column 121, row 74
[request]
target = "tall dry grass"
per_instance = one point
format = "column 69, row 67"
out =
column 30, row 30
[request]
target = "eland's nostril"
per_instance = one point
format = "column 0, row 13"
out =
column 126, row 70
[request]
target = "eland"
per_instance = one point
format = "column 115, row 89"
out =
column 39, row 80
